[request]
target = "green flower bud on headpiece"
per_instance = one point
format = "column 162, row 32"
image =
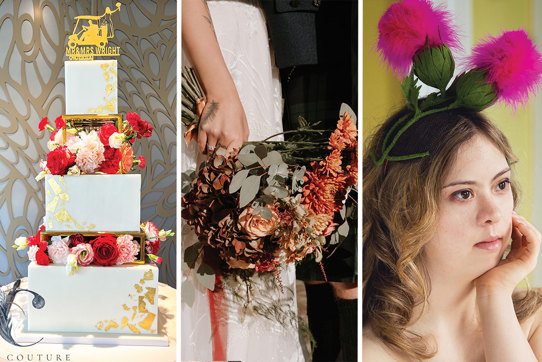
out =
column 474, row 91
column 434, row 66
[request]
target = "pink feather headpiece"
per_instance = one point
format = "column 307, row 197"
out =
column 513, row 65
column 406, row 27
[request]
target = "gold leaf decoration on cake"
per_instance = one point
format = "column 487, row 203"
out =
column 148, row 275
column 142, row 307
column 51, row 206
column 138, row 313
column 49, row 193
column 104, row 66
column 64, row 196
column 112, row 324
column 151, row 293
column 108, row 89
column 147, row 322
column 61, row 179
column 110, row 106
column 55, row 186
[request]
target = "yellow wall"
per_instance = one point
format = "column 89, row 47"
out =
column 381, row 90
column 491, row 17
column 382, row 94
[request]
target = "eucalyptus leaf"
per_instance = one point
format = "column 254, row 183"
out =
column 260, row 151
column 268, row 190
column 343, row 212
column 272, row 169
column 343, row 229
column 247, row 149
column 248, row 159
column 266, row 199
column 266, row 213
column 281, row 192
column 273, row 158
column 346, row 108
column 191, row 254
column 188, row 293
column 237, row 180
column 334, row 239
column 206, row 276
column 249, row 190
column 283, row 170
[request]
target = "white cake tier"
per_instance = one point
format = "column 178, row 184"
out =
column 95, row 299
column 91, row 86
column 93, row 203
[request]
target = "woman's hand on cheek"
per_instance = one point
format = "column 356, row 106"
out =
column 518, row 263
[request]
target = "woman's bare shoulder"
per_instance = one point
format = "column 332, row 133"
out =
column 532, row 324
column 374, row 349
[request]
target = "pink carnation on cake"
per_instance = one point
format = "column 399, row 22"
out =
column 406, row 26
column 32, row 250
column 59, row 250
column 127, row 158
column 84, row 254
column 128, row 249
column 151, row 231
column 91, row 152
column 513, row 65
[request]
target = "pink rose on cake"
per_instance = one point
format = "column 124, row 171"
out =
column 59, row 160
column 128, row 249
column 59, row 250
column 91, row 152
column 84, row 254
column 105, row 249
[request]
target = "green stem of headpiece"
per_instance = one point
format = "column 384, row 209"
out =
column 385, row 155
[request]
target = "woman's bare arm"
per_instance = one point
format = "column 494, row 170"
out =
column 223, row 121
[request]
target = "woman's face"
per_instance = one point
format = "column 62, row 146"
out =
column 475, row 213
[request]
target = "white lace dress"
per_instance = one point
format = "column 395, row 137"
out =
column 242, row 35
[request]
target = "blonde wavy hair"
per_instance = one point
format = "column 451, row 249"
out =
column 400, row 214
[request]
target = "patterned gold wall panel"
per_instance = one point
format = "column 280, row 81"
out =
column 32, row 39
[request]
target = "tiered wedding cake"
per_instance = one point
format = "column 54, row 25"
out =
column 117, row 292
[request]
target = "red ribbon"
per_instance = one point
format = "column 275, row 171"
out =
column 219, row 317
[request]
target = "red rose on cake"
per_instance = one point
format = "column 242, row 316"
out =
column 76, row 239
column 59, row 160
column 141, row 127
column 105, row 132
column 105, row 249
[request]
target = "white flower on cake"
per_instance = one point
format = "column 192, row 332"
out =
column 32, row 252
column 74, row 171
column 52, row 145
column 83, row 254
column 71, row 264
column 59, row 250
column 91, row 152
column 116, row 140
column 21, row 243
column 128, row 249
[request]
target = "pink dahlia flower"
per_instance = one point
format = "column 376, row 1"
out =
column 513, row 65
column 406, row 26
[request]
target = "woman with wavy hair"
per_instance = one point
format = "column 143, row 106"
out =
column 443, row 249
column 435, row 229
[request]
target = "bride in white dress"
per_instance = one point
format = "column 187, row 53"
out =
column 244, row 48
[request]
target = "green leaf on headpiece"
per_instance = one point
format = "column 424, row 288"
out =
column 411, row 91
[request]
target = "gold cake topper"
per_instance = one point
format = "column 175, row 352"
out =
column 91, row 35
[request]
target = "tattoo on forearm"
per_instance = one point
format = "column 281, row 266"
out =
column 210, row 112
column 207, row 17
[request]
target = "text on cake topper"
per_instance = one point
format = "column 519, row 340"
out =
column 91, row 35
